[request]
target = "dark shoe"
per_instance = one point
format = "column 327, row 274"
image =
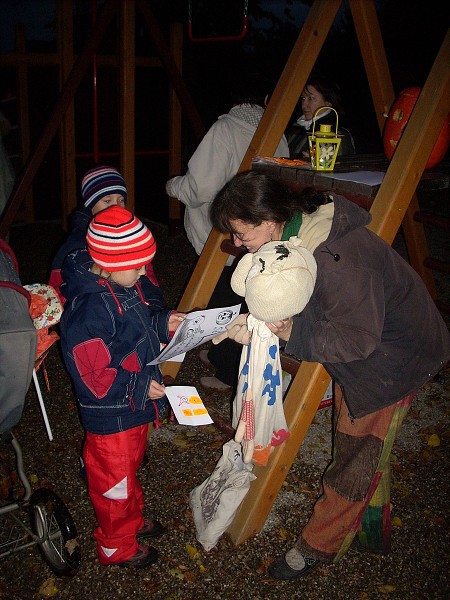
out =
column 213, row 383
column 82, row 469
column 279, row 569
column 145, row 460
column 144, row 557
column 151, row 529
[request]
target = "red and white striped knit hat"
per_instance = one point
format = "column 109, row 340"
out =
column 119, row 241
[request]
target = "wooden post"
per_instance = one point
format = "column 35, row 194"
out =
column 127, row 97
column 26, row 209
column 67, row 130
column 176, row 48
column 377, row 69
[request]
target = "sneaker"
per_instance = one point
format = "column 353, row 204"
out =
column 144, row 557
column 279, row 569
column 203, row 355
column 214, row 384
column 151, row 529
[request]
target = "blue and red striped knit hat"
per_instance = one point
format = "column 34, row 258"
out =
column 102, row 181
column 119, row 241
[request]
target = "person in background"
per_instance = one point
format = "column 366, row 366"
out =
column 102, row 186
column 319, row 91
column 373, row 326
column 111, row 329
column 215, row 161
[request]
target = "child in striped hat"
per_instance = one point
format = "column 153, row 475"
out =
column 111, row 329
column 101, row 187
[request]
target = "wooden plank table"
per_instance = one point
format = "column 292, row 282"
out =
column 360, row 192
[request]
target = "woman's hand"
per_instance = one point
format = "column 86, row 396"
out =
column 175, row 319
column 282, row 329
column 156, row 390
column 237, row 330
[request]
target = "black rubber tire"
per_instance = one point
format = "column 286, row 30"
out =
column 52, row 522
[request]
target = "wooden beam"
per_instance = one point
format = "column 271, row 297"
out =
column 292, row 80
column 67, row 130
column 176, row 49
column 374, row 56
column 127, row 37
column 34, row 161
column 174, row 75
column 300, row 405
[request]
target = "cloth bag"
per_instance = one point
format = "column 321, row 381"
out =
column 215, row 501
column 258, row 414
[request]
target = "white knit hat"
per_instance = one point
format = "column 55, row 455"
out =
column 277, row 280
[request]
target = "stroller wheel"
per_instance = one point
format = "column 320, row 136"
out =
column 52, row 522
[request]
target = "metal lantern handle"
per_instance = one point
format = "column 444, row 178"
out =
column 325, row 108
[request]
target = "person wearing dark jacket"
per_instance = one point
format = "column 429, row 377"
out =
column 318, row 92
column 101, row 187
column 110, row 330
column 373, row 326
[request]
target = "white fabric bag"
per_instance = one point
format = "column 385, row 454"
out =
column 215, row 501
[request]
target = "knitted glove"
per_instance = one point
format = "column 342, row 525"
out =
column 237, row 330
column 245, row 432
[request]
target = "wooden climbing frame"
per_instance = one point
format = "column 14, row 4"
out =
column 393, row 205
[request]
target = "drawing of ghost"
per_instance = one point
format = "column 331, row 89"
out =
column 224, row 317
column 192, row 332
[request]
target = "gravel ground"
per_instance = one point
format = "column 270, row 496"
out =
column 182, row 457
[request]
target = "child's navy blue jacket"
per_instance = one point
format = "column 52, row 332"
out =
column 108, row 335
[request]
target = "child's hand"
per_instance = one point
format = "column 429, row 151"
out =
column 175, row 319
column 156, row 390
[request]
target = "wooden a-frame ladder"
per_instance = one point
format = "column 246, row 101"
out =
column 394, row 204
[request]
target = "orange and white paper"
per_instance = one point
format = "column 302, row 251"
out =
column 187, row 405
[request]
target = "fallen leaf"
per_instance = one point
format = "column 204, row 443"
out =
column 434, row 440
column 177, row 572
column 181, row 441
column 397, row 522
column 48, row 588
column 387, row 589
column 192, row 551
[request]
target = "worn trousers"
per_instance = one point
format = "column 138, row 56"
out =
column 111, row 465
column 355, row 498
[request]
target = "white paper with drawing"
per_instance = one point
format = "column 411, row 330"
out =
column 198, row 327
column 187, row 405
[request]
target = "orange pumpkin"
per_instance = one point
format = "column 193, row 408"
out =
column 398, row 117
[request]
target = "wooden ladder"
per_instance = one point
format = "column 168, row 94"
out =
column 395, row 203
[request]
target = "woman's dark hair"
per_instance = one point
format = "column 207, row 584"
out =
column 329, row 89
column 254, row 197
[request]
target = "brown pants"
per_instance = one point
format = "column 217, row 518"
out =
column 356, row 485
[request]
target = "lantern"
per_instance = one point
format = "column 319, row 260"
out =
column 323, row 144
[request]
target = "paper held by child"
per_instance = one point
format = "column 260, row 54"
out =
column 187, row 405
column 198, row 327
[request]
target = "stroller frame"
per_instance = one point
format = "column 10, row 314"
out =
column 51, row 528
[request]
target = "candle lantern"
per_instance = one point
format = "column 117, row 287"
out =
column 323, row 144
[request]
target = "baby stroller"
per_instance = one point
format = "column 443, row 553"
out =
column 52, row 528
